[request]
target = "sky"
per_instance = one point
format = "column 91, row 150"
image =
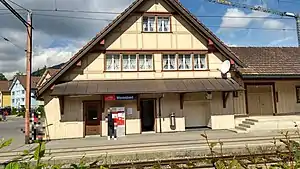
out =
column 56, row 38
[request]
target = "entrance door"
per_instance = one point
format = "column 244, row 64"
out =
column 93, row 117
column 147, row 115
column 260, row 100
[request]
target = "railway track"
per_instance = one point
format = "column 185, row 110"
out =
column 200, row 162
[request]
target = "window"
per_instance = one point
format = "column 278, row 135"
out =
column 113, row 62
column 13, row 93
column 298, row 94
column 23, row 91
column 163, row 24
column 129, row 62
column 13, row 100
column 185, row 62
column 148, row 23
column 23, row 99
column 169, row 62
column 145, row 62
column 200, row 62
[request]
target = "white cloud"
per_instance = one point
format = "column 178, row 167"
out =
column 280, row 41
column 237, row 18
column 273, row 24
column 55, row 39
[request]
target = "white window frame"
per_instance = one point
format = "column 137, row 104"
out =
column 169, row 61
column 144, row 58
column 113, row 57
column 148, row 23
column 130, row 57
column 162, row 18
column 199, row 60
column 183, row 62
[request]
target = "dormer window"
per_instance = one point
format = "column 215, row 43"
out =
column 156, row 24
column 148, row 23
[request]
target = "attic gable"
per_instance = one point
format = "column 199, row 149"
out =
column 100, row 38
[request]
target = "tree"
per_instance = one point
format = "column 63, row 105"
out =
column 2, row 76
column 19, row 73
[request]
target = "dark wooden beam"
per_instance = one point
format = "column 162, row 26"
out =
column 181, row 96
column 225, row 98
column 62, row 104
column 138, row 106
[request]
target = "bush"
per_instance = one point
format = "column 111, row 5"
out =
column 14, row 111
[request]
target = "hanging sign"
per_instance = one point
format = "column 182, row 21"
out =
column 125, row 97
column 119, row 97
column 109, row 97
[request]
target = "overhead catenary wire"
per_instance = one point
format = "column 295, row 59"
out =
column 116, row 13
column 109, row 20
column 9, row 41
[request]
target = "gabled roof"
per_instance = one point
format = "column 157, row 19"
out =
column 4, row 85
column 176, row 5
column 269, row 61
column 50, row 71
column 22, row 80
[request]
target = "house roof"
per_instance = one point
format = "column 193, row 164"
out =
column 4, row 85
column 269, row 61
column 176, row 5
column 22, row 79
column 50, row 71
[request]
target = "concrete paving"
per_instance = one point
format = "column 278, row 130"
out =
column 149, row 146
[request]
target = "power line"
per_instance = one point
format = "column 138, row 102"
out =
column 115, row 13
column 7, row 40
column 109, row 20
column 18, row 5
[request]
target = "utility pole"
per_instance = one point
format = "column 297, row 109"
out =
column 28, row 25
column 28, row 77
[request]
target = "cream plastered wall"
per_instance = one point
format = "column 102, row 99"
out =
column 70, row 125
column 129, row 36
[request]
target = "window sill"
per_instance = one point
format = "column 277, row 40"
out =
column 195, row 70
column 156, row 32
column 126, row 71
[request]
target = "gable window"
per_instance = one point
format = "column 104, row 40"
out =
column 113, row 62
column 200, row 62
column 169, row 62
column 163, row 24
column 184, row 62
column 129, row 62
column 145, row 62
column 148, row 23
column 298, row 94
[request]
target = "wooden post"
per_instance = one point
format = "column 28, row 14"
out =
column 28, row 77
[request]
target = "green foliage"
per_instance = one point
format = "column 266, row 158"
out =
column 5, row 143
column 2, row 77
column 13, row 165
column 14, row 111
column 41, row 110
